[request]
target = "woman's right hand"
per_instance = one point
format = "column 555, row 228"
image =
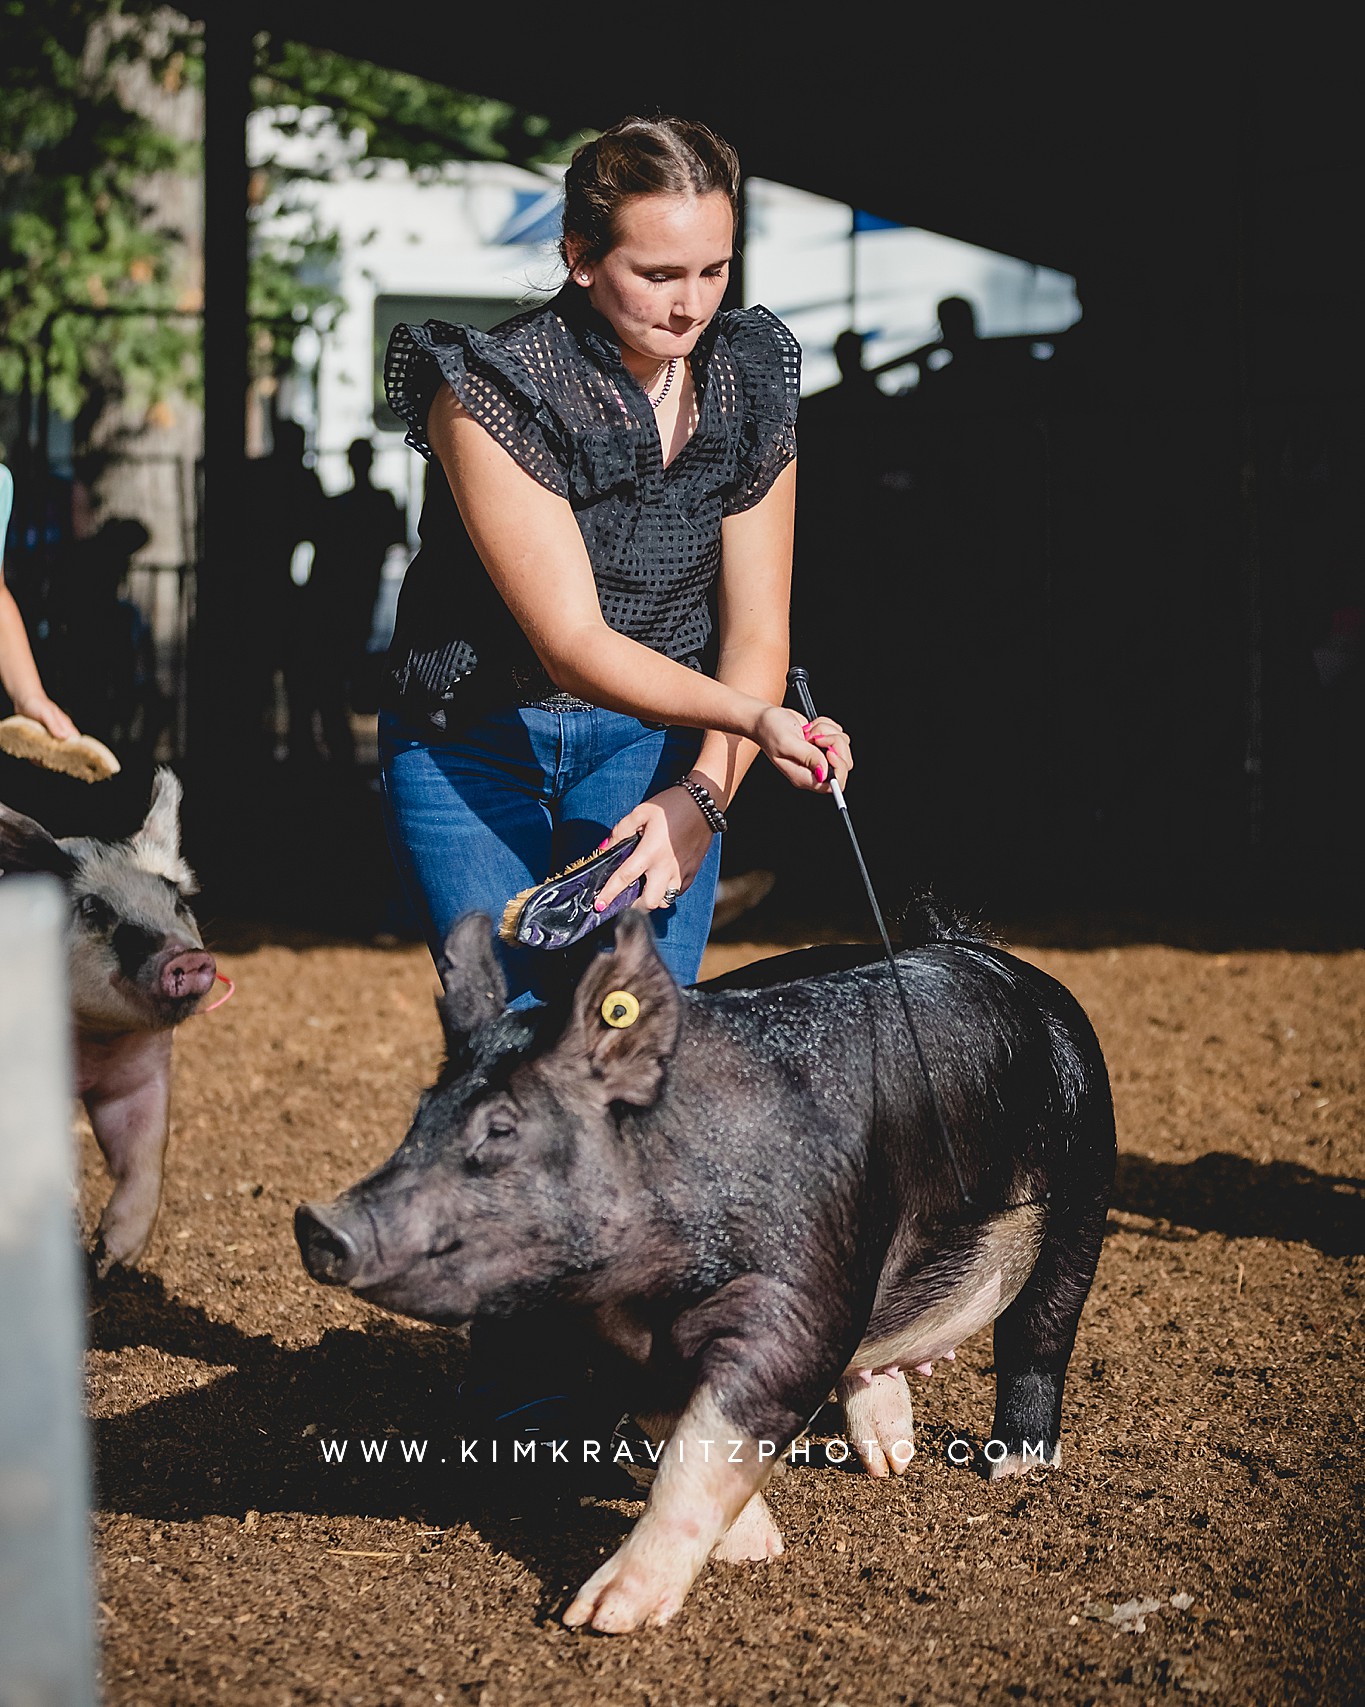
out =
column 47, row 712
column 674, row 840
column 809, row 755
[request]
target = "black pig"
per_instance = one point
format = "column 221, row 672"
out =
column 136, row 967
column 742, row 1190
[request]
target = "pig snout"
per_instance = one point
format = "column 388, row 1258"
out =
column 190, row 973
column 328, row 1243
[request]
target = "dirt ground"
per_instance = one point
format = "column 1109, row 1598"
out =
column 1211, row 1427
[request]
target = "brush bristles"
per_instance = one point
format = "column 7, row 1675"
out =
column 507, row 928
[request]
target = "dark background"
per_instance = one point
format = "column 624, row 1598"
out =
column 1093, row 623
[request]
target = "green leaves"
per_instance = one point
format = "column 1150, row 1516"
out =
column 399, row 116
column 99, row 288
column 79, row 249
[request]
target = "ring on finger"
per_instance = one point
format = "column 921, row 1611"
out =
column 670, row 896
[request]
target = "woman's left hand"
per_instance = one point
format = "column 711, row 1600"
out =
column 810, row 755
column 674, row 841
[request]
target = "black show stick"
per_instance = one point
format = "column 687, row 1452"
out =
column 799, row 682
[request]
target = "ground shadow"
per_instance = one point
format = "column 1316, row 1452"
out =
column 266, row 1437
column 132, row 1308
column 1222, row 1193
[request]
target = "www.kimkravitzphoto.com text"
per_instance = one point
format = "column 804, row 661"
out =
column 399, row 1452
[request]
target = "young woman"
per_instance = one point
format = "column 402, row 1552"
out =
column 593, row 638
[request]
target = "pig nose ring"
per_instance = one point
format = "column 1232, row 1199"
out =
column 620, row 1009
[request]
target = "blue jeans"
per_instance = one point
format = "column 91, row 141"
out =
column 514, row 798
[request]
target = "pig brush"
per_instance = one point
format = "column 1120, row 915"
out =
column 79, row 755
column 799, row 682
column 561, row 911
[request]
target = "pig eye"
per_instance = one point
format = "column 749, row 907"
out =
column 499, row 1122
column 484, row 1156
column 99, row 915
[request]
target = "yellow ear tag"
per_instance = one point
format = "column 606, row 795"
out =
column 620, row 1009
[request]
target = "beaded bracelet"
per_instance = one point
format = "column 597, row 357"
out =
column 705, row 804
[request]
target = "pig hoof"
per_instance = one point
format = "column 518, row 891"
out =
column 1020, row 1463
column 614, row 1600
column 104, row 1259
column 752, row 1537
column 880, row 1422
column 114, row 1249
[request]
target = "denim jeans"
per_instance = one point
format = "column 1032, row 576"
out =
column 514, row 798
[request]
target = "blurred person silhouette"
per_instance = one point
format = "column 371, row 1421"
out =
column 287, row 504
column 843, row 433
column 956, row 544
column 19, row 675
column 845, row 424
column 336, row 610
column 856, row 382
column 1139, row 484
column 960, row 369
column 108, row 663
column 854, row 401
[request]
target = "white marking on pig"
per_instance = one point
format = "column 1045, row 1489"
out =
column 156, row 846
column 999, row 1265
column 696, row 1498
column 752, row 1538
column 879, row 1420
column 1031, row 1458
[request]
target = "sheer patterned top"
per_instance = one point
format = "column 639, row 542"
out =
column 550, row 386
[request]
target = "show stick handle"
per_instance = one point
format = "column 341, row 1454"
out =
column 799, row 682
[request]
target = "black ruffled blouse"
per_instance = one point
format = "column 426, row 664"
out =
column 550, row 386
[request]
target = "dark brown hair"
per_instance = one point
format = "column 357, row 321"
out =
column 641, row 157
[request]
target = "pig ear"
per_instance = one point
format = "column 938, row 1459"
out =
column 471, row 975
column 156, row 846
column 26, row 846
column 624, row 1025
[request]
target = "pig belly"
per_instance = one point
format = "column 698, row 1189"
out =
column 928, row 1314
column 125, row 1084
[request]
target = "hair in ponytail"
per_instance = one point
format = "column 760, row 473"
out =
column 640, row 157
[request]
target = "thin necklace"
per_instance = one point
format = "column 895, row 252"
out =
column 654, row 402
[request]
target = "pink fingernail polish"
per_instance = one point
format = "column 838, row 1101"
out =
column 604, row 843
column 806, row 728
column 819, row 773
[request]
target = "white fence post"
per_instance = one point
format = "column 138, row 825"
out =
column 46, row 1636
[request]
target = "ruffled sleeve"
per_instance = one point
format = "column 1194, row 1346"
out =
column 767, row 361
column 492, row 383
